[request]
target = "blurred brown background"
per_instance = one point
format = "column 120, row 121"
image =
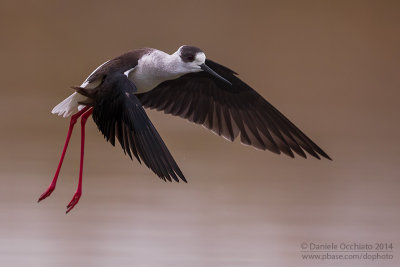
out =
column 331, row 66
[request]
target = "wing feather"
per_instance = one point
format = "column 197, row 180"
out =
column 119, row 114
column 230, row 110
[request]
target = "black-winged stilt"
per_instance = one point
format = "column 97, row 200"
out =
column 184, row 84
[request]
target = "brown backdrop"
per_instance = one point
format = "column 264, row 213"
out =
column 331, row 66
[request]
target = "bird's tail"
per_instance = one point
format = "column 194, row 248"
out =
column 69, row 105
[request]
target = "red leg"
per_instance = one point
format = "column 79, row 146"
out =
column 52, row 186
column 78, row 193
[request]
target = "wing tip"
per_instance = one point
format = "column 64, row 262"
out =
column 183, row 179
column 174, row 177
column 326, row 156
column 317, row 155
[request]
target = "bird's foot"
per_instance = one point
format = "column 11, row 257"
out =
column 47, row 193
column 74, row 201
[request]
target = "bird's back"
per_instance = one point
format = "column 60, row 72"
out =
column 121, row 63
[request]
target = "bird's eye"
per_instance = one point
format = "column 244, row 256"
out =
column 190, row 58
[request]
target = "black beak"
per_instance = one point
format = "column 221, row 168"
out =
column 213, row 73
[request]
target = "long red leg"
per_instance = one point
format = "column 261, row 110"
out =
column 78, row 193
column 52, row 186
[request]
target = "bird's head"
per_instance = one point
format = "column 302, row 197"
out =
column 193, row 59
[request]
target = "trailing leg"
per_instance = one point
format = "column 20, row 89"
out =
column 78, row 193
column 52, row 186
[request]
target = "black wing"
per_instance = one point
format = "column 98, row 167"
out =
column 229, row 110
column 118, row 113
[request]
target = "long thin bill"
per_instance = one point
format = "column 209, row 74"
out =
column 213, row 73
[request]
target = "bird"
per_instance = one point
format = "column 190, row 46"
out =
column 185, row 84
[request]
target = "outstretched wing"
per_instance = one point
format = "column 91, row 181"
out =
column 118, row 113
column 229, row 110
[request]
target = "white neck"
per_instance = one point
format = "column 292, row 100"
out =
column 155, row 68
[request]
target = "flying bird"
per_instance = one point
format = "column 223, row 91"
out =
column 184, row 84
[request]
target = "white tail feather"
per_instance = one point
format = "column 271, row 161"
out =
column 69, row 105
